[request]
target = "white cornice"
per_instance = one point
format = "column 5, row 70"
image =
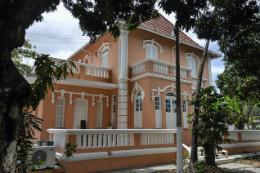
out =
column 159, row 77
column 30, row 77
column 146, row 29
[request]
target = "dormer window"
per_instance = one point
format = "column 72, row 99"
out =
column 192, row 65
column 151, row 52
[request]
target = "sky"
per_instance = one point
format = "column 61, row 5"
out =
column 59, row 36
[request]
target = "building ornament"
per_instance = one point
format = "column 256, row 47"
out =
column 137, row 88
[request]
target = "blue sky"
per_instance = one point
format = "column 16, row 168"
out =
column 59, row 36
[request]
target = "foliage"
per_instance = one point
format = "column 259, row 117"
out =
column 214, row 116
column 98, row 17
column 200, row 167
column 18, row 54
column 24, row 145
column 243, row 111
column 232, row 84
column 69, row 147
column 235, row 26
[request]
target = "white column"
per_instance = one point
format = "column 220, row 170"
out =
column 123, row 77
column 210, row 74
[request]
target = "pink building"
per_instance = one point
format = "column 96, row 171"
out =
column 119, row 106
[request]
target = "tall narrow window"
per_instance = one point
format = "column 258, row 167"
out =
column 99, row 113
column 80, row 112
column 185, row 113
column 60, row 112
column 104, row 58
column 151, row 52
column 158, row 113
column 113, row 112
column 192, row 65
column 138, row 111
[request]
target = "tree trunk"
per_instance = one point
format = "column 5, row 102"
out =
column 240, row 125
column 178, row 99
column 16, row 16
column 209, row 154
column 194, row 141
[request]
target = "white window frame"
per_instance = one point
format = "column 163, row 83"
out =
column 193, row 65
column 140, row 111
column 158, row 112
column 85, row 116
column 113, row 111
column 60, row 108
column 185, row 119
column 173, row 111
column 104, row 57
column 99, row 113
column 153, row 56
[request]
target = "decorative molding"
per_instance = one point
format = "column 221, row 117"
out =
column 52, row 98
column 159, row 91
column 152, row 43
column 82, row 94
column 191, row 54
column 103, row 46
column 159, row 77
column 136, row 88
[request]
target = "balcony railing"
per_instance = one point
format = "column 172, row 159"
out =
column 158, row 66
column 88, row 72
column 100, row 138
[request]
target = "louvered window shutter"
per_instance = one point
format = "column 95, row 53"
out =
column 155, row 53
column 194, row 68
column 60, row 112
column 148, row 52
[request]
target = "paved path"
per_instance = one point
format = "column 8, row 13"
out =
column 238, row 167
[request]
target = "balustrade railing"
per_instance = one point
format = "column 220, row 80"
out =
column 87, row 69
column 100, row 138
column 183, row 72
column 138, row 69
column 245, row 135
column 160, row 68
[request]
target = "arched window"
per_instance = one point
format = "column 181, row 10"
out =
column 151, row 52
column 99, row 113
column 104, row 58
column 192, row 65
column 60, row 112
column 87, row 59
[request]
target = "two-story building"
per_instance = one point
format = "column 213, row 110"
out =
column 125, row 83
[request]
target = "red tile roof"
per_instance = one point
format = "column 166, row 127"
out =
column 161, row 26
column 165, row 27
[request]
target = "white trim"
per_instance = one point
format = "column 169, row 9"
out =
column 103, row 46
column 188, row 55
column 159, row 91
column 136, row 88
column 138, row 152
column 30, row 77
column 158, row 62
column 108, row 131
column 236, row 145
column 171, row 38
column 82, row 94
column 158, row 76
column 152, row 43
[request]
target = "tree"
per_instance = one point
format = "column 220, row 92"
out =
column 222, row 24
column 15, row 92
column 214, row 116
column 19, row 54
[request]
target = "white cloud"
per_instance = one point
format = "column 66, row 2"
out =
column 217, row 69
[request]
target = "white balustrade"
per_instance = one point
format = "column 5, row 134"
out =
column 97, row 71
column 183, row 72
column 160, row 68
column 99, row 138
column 138, row 69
